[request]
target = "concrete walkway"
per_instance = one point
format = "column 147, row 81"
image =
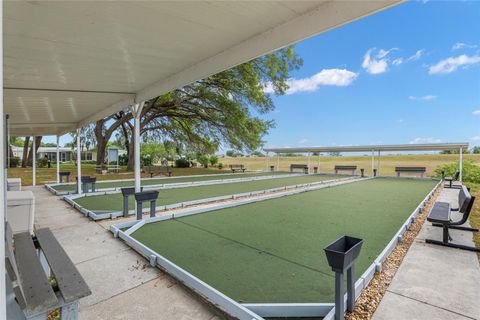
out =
column 435, row 282
column 122, row 283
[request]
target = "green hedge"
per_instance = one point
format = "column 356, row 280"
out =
column 471, row 171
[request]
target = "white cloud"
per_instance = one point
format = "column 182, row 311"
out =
column 397, row 61
column 378, row 64
column 451, row 64
column 326, row 77
column 475, row 138
column 417, row 55
column 302, row 141
column 428, row 97
column 461, row 45
column 476, row 112
column 425, row 140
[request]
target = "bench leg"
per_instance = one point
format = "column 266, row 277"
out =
column 457, row 227
column 445, row 242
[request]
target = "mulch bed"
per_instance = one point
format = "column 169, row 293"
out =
column 371, row 296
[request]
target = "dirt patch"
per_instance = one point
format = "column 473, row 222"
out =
column 371, row 296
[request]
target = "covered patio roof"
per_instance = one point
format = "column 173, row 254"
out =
column 369, row 148
column 70, row 63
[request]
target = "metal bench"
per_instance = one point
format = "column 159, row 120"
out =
column 421, row 170
column 237, row 167
column 440, row 216
column 302, row 167
column 352, row 169
column 65, row 174
column 450, row 180
column 38, row 284
column 157, row 170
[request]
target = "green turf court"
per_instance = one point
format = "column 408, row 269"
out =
column 166, row 180
column 114, row 202
column 272, row 251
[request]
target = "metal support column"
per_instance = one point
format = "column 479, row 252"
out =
column 137, row 114
column 58, row 159
column 378, row 164
column 79, row 164
column 34, row 162
column 318, row 167
column 309, row 156
column 373, row 161
column 460, row 165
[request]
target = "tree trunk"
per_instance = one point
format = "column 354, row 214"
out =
column 131, row 155
column 101, row 142
column 38, row 141
column 26, row 142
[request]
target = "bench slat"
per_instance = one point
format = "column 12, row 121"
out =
column 69, row 280
column 345, row 167
column 410, row 169
column 38, row 293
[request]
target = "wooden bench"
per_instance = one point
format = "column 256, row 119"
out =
column 302, row 167
column 352, row 169
column 158, row 170
column 44, row 282
column 421, row 170
column 237, row 167
column 440, row 216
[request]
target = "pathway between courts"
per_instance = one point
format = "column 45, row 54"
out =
column 435, row 282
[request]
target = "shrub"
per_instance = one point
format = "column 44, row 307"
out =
column 213, row 160
column 123, row 159
column 220, row 166
column 471, row 171
column 203, row 160
column 42, row 163
column 14, row 162
column 146, row 160
column 182, row 163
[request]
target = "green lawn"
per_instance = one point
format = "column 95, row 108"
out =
column 167, row 180
column 272, row 251
column 114, row 202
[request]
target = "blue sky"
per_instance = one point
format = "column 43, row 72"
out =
column 408, row 74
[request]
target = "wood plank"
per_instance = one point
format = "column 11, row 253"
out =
column 69, row 280
column 38, row 293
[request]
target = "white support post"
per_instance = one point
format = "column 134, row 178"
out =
column 309, row 156
column 266, row 160
column 34, row 162
column 318, row 166
column 79, row 164
column 58, row 158
column 137, row 113
column 378, row 165
column 460, row 164
column 3, row 190
column 373, row 161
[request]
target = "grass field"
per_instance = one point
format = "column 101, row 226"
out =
column 114, row 202
column 272, row 251
column 327, row 163
column 168, row 180
column 387, row 163
column 49, row 175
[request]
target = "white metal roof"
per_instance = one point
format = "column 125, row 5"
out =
column 369, row 148
column 69, row 63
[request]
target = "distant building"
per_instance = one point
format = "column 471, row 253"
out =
column 66, row 154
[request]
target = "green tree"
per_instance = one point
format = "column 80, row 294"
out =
column 476, row 149
column 153, row 151
column 203, row 160
column 213, row 160
column 226, row 108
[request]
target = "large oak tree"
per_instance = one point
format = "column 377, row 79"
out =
column 227, row 108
